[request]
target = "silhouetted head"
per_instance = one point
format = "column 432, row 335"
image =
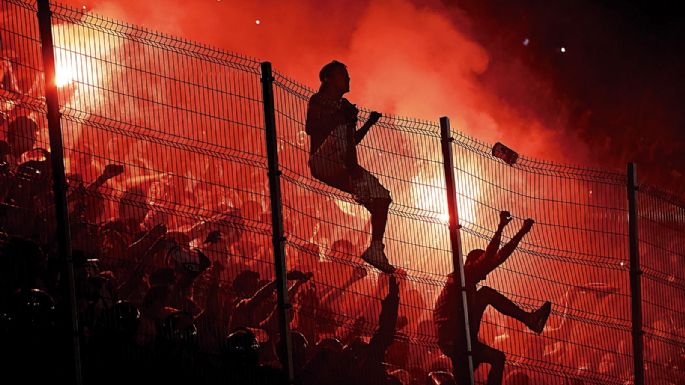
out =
column 300, row 346
column 472, row 257
column 188, row 263
column 37, row 171
column 241, row 348
column 21, row 135
column 179, row 330
column 330, row 361
column 331, row 345
column 334, row 77
column 357, row 348
column 34, row 310
column 126, row 318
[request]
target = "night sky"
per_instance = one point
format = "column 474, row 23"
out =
column 621, row 80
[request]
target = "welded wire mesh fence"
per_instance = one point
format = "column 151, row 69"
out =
column 661, row 225
column 328, row 231
column 575, row 256
column 168, row 193
column 164, row 140
column 22, row 114
column 166, row 170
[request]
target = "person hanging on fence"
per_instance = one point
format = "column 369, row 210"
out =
column 331, row 125
column 449, row 318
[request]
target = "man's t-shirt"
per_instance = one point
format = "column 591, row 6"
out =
column 448, row 316
column 324, row 115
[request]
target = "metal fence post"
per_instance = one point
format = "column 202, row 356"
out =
column 277, row 219
column 455, row 236
column 635, row 277
column 58, row 177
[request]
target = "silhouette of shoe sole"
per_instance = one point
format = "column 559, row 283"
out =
column 382, row 265
column 540, row 317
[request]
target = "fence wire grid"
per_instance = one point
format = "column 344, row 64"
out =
column 166, row 162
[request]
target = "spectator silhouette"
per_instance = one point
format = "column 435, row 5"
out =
column 245, row 312
column 331, row 125
column 449, row 318
column 368, row 366
column 241, row 355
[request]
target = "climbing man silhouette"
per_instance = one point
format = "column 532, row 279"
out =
column 332, row 127
column 449, row 318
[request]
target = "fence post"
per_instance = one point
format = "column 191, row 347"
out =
column 59, row 180
column 278, row 238
column 455, row 236
column 635, row 277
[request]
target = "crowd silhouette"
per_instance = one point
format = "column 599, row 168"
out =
column 158, row 301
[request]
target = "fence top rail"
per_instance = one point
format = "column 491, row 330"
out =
column 150, row 37
column 662, row 195
column 28, row 4
column 546, row 167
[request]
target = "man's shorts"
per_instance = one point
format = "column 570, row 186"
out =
column 328, row 166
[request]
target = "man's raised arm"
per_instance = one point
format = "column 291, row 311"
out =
column 493, row 246
column 387, row 323
column 361, row 133
column 509, row 248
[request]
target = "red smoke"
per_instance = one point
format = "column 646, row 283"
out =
column 403, row 59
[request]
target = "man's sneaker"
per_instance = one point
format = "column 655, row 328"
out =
column 375, row 257
column 538, row 319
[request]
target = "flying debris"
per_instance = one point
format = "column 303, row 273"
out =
column 505, row 153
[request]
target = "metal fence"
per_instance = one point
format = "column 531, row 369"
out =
column 187, row 123
column 660, row 221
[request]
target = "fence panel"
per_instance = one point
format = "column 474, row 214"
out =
column 661, row 227
column 167, row 172
column 575, row 256
column 24, row 125
column 328, row 231
column 169, row 202
column 28, row 276
column 163, row 139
